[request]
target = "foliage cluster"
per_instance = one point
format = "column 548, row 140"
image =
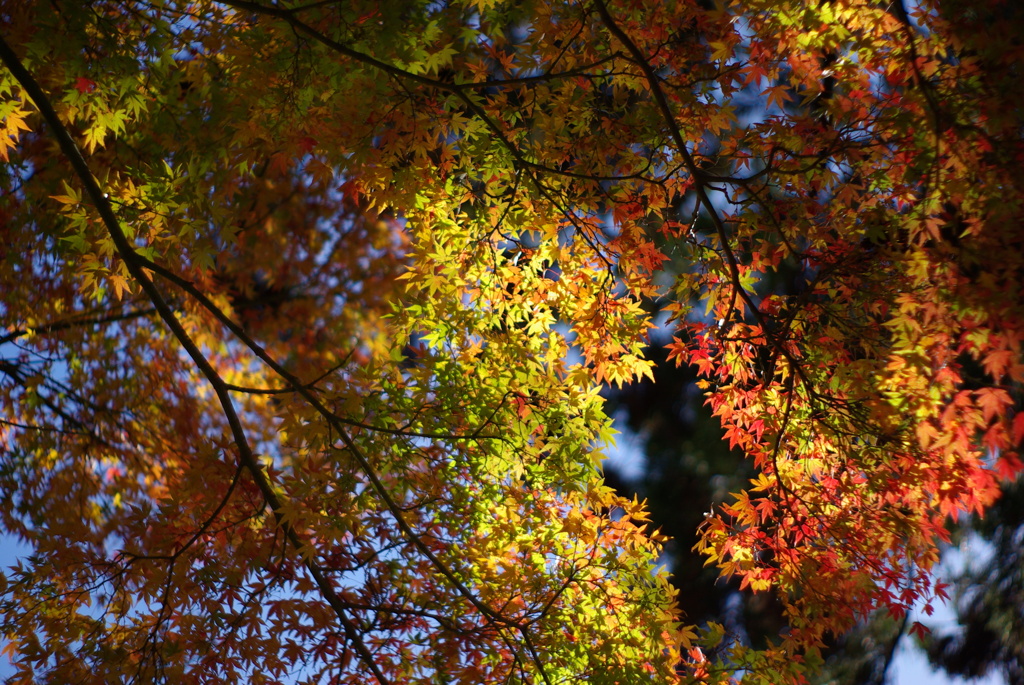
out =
column 307, row 305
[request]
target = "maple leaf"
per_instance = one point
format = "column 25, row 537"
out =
column 84, row 85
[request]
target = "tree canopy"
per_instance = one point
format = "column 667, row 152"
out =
column 307, row 308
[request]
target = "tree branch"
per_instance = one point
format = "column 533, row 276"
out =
column 124, row 248
column 700, row 181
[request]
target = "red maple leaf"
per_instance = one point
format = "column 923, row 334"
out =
column 84, row 85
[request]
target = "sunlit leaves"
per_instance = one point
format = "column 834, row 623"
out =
column 395, row 249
